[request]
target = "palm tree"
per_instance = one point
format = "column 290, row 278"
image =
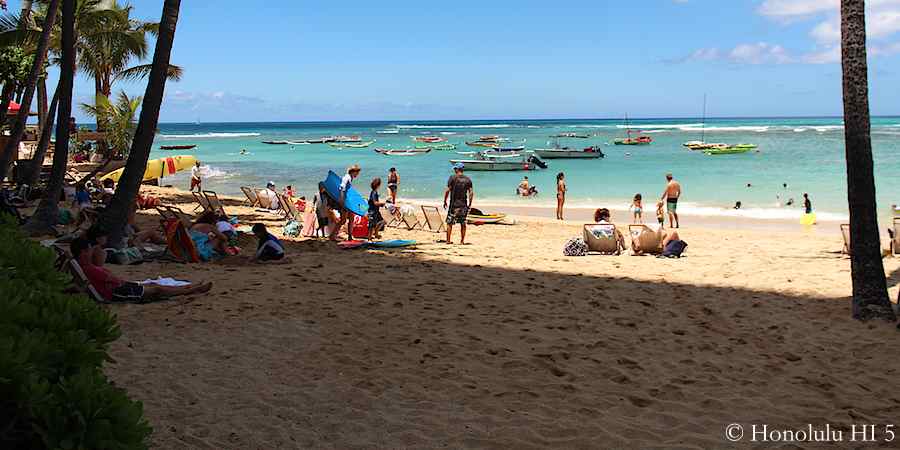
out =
column 37, row 159
column 119, row 117
column 47, row 213
column 115, row 215
column 870, row 298
column 12, row 144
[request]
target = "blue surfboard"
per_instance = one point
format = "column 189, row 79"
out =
column 393, row 243
column 353, row 201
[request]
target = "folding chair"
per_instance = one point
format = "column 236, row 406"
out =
column 602, row 238
column 645, row 240
column 290, row 210
column 202, row 202
column 390, row 219
column 252, row 199
column 215, row 205
column 411, row 220
column 83, row 283
column 845, row 232
column 433, row 219
column 264, row 201
column 171, row 212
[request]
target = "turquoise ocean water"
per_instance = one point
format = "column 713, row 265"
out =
column 805, row 153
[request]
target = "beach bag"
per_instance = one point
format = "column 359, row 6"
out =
column 674, row 249
column 292, row 228
column 361, row 226
column 575, row 247
column 124, row 256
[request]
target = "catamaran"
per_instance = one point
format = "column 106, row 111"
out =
column 638, row 140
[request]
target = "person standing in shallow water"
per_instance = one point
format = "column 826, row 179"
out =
column 393, row 183
column 807, row 204
column 560, row 194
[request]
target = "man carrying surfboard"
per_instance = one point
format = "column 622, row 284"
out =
column 461, row 193
column 346, row 184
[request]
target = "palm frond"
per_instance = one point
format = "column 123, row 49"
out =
column 143, row 70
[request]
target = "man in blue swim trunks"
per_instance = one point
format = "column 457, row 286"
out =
column 461, row 193
column 671, row 196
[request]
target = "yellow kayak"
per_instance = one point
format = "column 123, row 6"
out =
column 158, row 168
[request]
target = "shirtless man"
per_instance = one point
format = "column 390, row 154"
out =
column 670, row 196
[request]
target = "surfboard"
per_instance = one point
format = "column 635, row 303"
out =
column 393, row 243
column 347, row 245
column 354, row 202
column 158, row 168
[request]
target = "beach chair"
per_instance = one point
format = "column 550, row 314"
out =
column 202, row 202
column 433, row 220
column 83, row 283
column 264, row 201
column 290, row 210
column 410, row 219
column 252, row 199
column 390, row 219
column 167, row 213
column 645, row 240
column 602, row 238
column 895, row 239
column 845, row 232
column 215, row 205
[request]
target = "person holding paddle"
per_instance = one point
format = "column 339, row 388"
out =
column 346, row 184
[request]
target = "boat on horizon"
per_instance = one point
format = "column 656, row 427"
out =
column 628, row 140
column 276, row 142
column 572, row 135
column 345, row 139
column 351, row 144
column 724, row 149
column 444, row 146
column 177, row 147
column 429, row 139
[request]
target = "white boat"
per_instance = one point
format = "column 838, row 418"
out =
column 482, row 162
column 402, row 152
column 593, row 152
column 388, row 131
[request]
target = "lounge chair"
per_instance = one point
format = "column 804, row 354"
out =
column 290, row 210
column 264, row 201
column 645, row 240
column 82, row 282
column 252, row 198
column 202, row 202
column 215, row 205
column 603, row 238
column 167, row 213
column 895, row 239
column 390, row 219
column 433, row 220
column 410, row 219
column 845, row 232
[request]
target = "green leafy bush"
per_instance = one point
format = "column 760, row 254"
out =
column 53, row 392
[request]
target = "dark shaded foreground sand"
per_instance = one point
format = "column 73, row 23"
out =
column 506, row 344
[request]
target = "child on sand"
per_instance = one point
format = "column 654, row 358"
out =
column 638, row 208
column 269, row 247
column 320, row 203
column 376, row 221
column 660, row 215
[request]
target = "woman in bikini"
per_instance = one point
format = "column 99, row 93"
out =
column 560, row 194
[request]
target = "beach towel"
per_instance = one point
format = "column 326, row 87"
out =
column 575, row 247
column 309, row 224
column 166, row 282
column 204, row 248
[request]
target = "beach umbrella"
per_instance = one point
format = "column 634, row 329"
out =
column 14, row 109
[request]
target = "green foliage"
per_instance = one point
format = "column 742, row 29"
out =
column 15, row 64
column 119, row 118
column 53, row 392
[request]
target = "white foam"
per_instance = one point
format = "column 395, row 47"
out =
column 212, row 172
column 757, row 129
column 653, row 126
column 207, row 135
column 499, row 125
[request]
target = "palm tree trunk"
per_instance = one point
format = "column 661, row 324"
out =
column 870, row 298
column 5, row 97
column 115, row 216
column 47, row 213
column 42, row 103
column 37, row 160
column 12, row 145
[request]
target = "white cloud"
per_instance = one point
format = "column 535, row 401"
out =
column 882, row 28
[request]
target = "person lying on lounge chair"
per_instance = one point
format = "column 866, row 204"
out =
column 206, row 224
column 662, row 236
column 114, row 289
column 137, row 237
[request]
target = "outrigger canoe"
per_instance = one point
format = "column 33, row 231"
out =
column 158, row 168
column 177, row 147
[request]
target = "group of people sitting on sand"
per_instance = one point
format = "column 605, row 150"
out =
column 647, row 241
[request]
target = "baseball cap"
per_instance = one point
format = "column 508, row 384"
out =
column 459, row 166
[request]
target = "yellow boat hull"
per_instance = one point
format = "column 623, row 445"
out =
column 158, row 168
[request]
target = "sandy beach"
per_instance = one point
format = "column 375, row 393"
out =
column 505, row 343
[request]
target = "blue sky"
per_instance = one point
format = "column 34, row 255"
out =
column 400, row 59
